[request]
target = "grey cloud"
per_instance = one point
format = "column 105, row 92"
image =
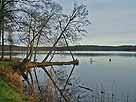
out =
column 113, row 21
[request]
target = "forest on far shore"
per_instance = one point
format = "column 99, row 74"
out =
column 76, row 48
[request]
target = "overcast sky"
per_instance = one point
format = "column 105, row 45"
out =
column 113, row 21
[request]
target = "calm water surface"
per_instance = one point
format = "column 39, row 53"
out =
column 117, row 76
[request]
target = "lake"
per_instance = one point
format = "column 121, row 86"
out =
column 111, row 72
column 117, row 76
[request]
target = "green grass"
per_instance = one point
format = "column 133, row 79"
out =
column 10, row 94
column 6, row 64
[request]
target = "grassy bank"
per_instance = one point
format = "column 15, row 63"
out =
column 11, row 86
column 8, row 93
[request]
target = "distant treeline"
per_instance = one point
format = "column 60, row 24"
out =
column 77, row 48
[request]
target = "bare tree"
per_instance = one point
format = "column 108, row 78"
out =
column 37, row 28
column 6, row 16
column 42, row 22
column 71, row 26
column 9, row 11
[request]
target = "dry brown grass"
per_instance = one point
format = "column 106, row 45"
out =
column 11, row 77
column 2, row 72
column 16, row 59
column 15, row 79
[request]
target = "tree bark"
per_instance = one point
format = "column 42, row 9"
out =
column 10, row 49
column 2, row 35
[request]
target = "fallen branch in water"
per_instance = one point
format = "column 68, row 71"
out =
column 38, row 64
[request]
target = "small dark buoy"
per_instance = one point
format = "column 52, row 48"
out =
column 91, row 61
column 110, row 60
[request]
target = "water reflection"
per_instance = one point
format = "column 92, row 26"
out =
column 109, row 74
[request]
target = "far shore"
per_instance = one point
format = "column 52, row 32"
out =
column 18, row 49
